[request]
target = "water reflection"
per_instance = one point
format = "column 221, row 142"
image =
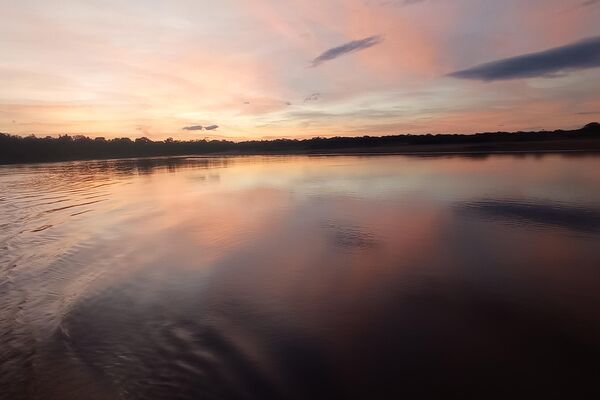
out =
column 527, row 213
column 300, row 277
column 350, row 236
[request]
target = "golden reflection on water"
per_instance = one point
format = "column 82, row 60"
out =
column 224, row 273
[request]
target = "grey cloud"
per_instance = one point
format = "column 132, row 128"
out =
column 312, row 97
column 408, row 2
column 579, row 55
column 346, row 48
column 589, row 3
column 200, row 127
column 192, row 128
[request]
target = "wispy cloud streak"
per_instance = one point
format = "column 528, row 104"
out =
column 192, row 128
column 589, row 3
column 200, row 127
column 346, row 48
column 579, row 55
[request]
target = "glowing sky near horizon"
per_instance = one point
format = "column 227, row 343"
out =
column 296, row 68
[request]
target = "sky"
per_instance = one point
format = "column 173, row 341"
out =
column 262, row 69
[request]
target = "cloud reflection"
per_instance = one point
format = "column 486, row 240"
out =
column 574, row 218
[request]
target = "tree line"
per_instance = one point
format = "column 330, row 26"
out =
column 18, row 149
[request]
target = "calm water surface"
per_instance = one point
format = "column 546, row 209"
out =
column 301, row 278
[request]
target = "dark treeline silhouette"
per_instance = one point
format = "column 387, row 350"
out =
column 17, row 149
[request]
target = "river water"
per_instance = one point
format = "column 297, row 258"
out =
column 300, row 277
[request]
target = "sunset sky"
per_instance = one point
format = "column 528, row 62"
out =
column 296, row 68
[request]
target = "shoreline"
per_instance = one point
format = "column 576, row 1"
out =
column 430, row 153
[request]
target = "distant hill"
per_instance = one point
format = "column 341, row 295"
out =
column 17, row 149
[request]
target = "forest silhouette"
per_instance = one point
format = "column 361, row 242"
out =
column 18, row 149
